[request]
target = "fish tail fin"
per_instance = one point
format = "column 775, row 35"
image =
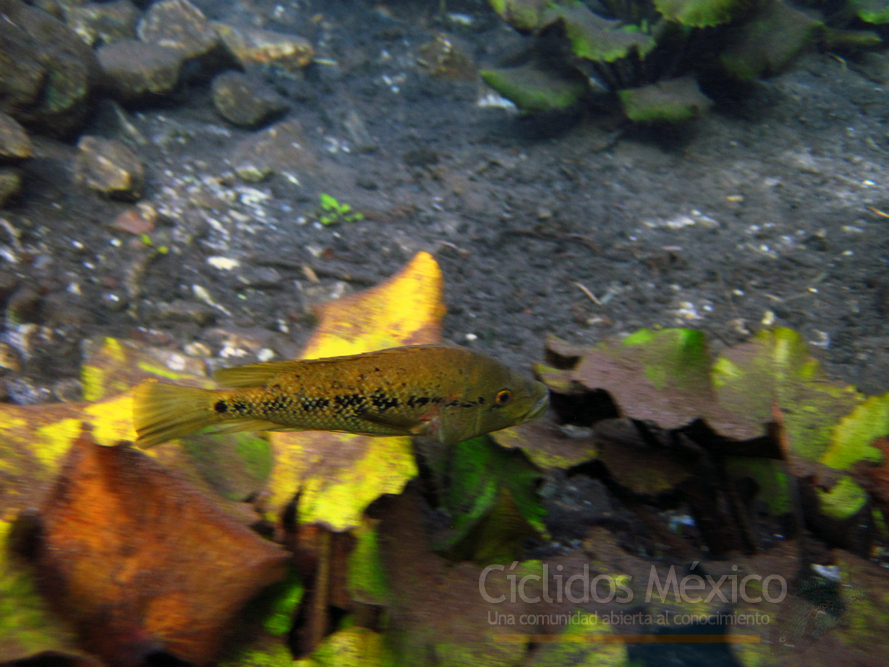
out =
column 163, row 412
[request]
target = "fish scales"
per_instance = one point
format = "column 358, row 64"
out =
column 447, row 392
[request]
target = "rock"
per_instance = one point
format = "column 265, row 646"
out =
column 186, row 311
column 15, row 144
column 109, row 167
column 252, row 46
column 281, row 147
column 46, row 70
column 244, row 100
column 10, row 184
column 99, row 23
column 179, row 25
column 137, row 71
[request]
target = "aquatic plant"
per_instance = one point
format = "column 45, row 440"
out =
column 650, row 54
column 332, row 211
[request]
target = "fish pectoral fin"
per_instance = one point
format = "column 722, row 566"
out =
column 404, row 425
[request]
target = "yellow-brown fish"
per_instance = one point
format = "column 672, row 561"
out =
column 449, row 393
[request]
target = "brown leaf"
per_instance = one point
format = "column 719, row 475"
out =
column 141, row 562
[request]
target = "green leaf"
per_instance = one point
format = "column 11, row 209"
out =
column 523, row 15
column 352, row 647
column 669, row 101
column 492, row 500
column 770, row 477
column 27, row 626
column 596, row 38
column 853, row 436
column 872, row 11
column 843, row 501
column 774, row 376
column 700, row 13
column 367, row 581
column 534, row 90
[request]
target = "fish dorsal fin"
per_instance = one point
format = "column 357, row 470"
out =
column 254, row 375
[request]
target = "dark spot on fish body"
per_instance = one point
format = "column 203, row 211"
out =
column 356, row 401
column 417, row 401
column 312, row 404
column 221, row 407
column 481, row 400
column 382, row 402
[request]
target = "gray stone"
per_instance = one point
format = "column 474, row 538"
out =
column 136, row 70
column 15, row 144
column 10, row 183
column 109, row 167
column 46, row 70
column 100, row 23
column 179, row 25
column 244, row 100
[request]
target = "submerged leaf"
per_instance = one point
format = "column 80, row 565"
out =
column 28, row 627
column 534, row 90
column 492, row 500
column 767, row 43
column 670, row 101
column 523, row 15
column 854, row 434
column 135, row 557
column 596, row 38
column 701, row 13
column 339, row 475
column 872, row 11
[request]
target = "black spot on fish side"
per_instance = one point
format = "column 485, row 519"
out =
column 220, row 407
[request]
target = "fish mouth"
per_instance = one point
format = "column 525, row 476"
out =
column 540, row 407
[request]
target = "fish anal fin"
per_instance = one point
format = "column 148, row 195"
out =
column 250, row 425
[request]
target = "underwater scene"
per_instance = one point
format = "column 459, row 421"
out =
column 457, row 333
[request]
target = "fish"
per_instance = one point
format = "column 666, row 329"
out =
column 442, row 391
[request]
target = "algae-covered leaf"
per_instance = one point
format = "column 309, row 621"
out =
column 28, row 627
column 700, row 13
column 670, row 101
column 768, row 41
column 492, row 500
column 546, row 445
column 351, row 647
column 854, row 434
column 339, row 475
column 135, row 557
column 596, row 38
column 775, row 371
column 236, row 465
column 535, row 90
column 523, row 15
column 772, row 482
column 872, row 11
column 581, row 644
column 440, row 610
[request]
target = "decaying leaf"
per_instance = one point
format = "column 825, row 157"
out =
column 438, row 615
column 339, row 475
column 142, row 563
column 28, row 627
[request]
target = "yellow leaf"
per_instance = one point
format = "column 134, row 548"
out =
column 340, row 474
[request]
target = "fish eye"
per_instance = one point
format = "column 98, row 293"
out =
column 502, row 397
